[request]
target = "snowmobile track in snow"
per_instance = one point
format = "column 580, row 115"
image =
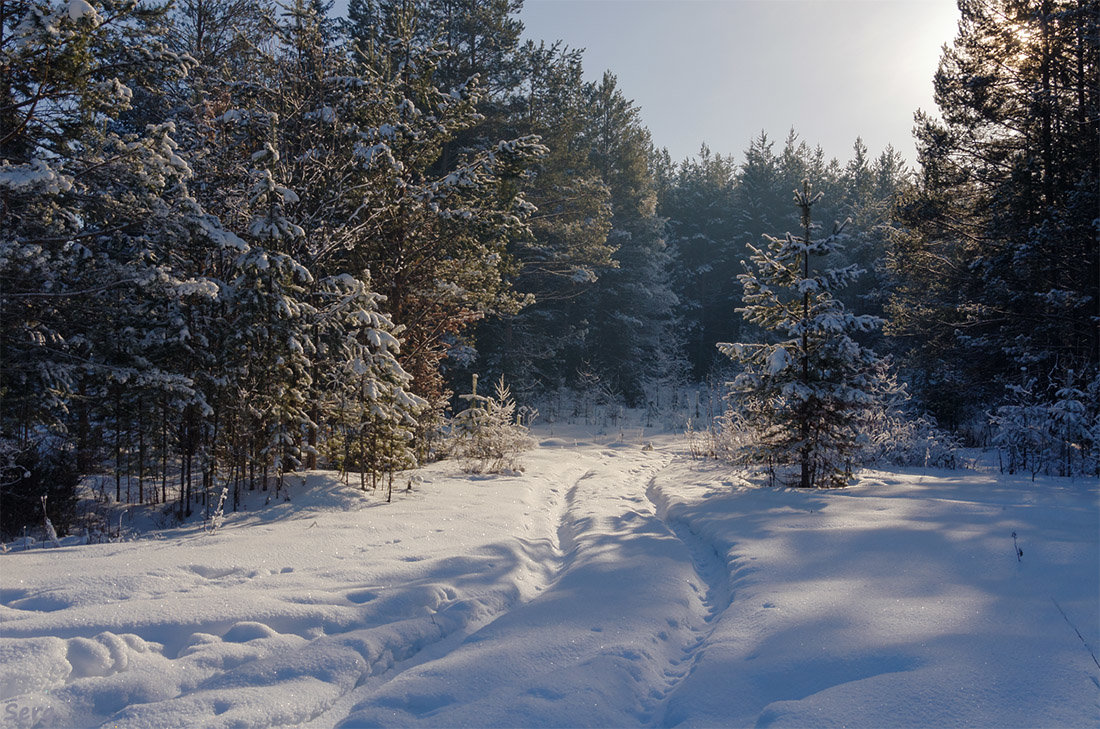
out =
column 562, row 534
column 712, row 571
column 566, row 532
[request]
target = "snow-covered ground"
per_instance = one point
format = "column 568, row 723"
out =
column 611, row 584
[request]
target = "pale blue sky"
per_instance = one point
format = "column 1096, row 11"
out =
column 719, row 71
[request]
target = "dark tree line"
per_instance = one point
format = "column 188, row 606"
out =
column 997, row 254
column 717, row 209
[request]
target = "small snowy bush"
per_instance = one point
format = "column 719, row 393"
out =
column 1060, row 437
column 729, row 438
column 489, row 436
column 903, row 440
column 892, row 434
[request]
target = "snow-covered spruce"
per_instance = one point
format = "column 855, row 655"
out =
column 490, row 434
column 802, row 393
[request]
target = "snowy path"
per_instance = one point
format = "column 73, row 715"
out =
column 713, row 571
column 623, row 606
column 608, row 585
column 496, row 620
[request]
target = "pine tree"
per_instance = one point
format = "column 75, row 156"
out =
column 436, row 223
column 524, row 90
column 323, row 164
column 96, row 212
column 804, row 391
column 630, row 341
column 567, row 249
column 997, row 254
column 490, row 433
column 223, row 36
column 177, row 291
column 283, row 152
column 868, row 193
column 699, row 206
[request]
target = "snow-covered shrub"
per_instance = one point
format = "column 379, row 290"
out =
column 730, row 437
column 1020, row 431
column 698, row 441
column 1075, row 427
column 490, row 435
column 887, row 430
column 907, row 440
column 1060, row 437
column 892, row 434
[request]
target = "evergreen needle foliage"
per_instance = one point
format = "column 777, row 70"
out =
column 995, row 252
column 805, row 391
column 490, row 434
column 240, row 238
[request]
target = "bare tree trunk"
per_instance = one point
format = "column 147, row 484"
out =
column 803, row 414
column 183, row 491
column 141, row 456
column 164, row 453
column 118, row 446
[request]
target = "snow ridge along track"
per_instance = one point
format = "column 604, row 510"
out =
column 560, row 536
column 713, row 571
column 566, row 533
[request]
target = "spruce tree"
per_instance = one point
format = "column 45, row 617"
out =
column 760, row 194
column 804, row 391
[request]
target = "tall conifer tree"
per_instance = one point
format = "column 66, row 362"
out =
column 804, row 391
column 997, row 255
